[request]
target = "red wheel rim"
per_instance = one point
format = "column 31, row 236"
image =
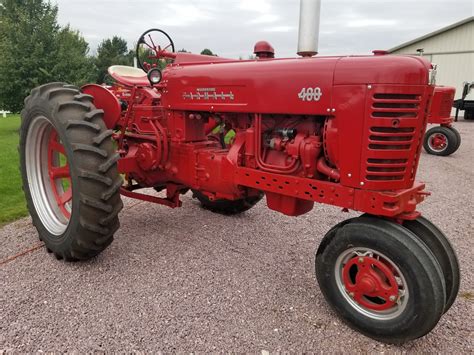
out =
column 438, row 142
column 371, row 283
column 59, row 176
column 372, row 280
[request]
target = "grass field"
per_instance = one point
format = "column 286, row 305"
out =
column 12, row 202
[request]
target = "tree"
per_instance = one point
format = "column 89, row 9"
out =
column 28, row 31
column 112, row 51
column 207, row 51
column 35, row 50
column 73, row 65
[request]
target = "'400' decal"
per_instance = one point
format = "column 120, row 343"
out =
column 310, row 94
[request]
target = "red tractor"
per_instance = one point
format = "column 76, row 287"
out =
column 343, row 131
column 443, row 139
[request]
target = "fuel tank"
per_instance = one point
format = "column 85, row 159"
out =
column 282, row 86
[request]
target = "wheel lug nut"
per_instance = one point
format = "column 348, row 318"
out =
column 392, row 298
column 361, row 260
column 351, row 294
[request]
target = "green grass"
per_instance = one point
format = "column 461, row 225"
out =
column 12, row 200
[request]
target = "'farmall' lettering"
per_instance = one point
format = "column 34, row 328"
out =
column 208, row 94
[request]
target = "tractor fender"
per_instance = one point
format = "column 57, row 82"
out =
column 105, row 100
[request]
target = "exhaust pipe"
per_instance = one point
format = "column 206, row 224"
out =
column 308, row 36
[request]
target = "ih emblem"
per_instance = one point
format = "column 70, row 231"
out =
column 310, row 94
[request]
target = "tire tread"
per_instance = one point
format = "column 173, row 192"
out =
column 86, row 135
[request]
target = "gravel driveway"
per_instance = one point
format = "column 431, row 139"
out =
column 188, row 280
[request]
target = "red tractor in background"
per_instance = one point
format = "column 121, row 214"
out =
column 343, row 131
column 443, row 139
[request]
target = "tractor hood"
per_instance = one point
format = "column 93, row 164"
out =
column 285, row 86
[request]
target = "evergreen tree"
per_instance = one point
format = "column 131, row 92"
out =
column 112, row 51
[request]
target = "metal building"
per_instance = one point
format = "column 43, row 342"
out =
column 451, row 48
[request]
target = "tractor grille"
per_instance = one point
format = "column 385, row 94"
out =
column 445, row 106
column 381, row 140
column 395, row 105
column 394, row 130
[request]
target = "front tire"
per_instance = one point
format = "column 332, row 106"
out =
column 381, row 279
column 442, row 141
column 439, row 245
column 69, row 172
column 458, row 137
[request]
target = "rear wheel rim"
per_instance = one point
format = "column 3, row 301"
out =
column 371, row 283
column 48, row 175
column 438, row 142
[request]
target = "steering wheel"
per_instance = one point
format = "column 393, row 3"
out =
column 150, row 54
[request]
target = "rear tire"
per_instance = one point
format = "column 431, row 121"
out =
column 77, row 221
column 441, row 141
column 380, row 279
column 227, row 207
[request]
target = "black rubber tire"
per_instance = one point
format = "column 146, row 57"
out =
column 451, row 138
column 458, row 135
column 92, row 163
column 439, row 245
column 422, row 272
column 227, row 207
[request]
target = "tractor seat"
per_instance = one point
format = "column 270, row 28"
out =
column 129, row 76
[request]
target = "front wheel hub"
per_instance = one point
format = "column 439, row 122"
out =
column 438, row 142
column 367, row 285
column 371, row 283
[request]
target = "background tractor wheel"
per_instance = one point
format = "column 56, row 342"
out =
column 441, row 141
column 381, row 279
column 444, row 253
column 458, row 135
column 69, row 170
column 227, row 207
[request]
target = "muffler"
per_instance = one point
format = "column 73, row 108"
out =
column 308, row 35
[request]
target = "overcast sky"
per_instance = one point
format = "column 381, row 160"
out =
column 230, row 28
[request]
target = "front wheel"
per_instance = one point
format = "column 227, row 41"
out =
column 69, row 171
column 458, row 137
column 441, row 141
column 381, row 279
column 439, row 245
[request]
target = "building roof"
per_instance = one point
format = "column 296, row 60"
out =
column 432, row 34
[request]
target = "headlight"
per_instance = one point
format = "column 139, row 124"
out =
column 154, row 76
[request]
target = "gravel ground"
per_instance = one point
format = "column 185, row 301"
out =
column 188, row 280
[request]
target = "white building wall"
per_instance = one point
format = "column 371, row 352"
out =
column 459, row 39
column 454, row 69
column 453, row 52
